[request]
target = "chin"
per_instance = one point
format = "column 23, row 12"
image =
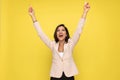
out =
column 61, row 39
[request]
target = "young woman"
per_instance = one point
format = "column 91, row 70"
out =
column 63, row 66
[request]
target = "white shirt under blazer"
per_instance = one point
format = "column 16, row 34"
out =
column 65, row 63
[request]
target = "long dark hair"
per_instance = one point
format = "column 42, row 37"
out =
column 67, row 33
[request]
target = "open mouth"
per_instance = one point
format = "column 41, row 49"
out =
column 60, row 35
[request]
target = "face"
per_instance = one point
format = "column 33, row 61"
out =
column 61, row 33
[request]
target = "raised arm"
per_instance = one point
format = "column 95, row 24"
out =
column 37, row 26
column 78, row 31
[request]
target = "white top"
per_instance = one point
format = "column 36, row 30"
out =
column 61, row 54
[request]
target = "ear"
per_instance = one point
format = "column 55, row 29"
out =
column 66, row 35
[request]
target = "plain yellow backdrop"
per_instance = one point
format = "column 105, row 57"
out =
column 23, row 56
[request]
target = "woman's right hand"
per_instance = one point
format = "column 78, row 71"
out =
column 31, row 11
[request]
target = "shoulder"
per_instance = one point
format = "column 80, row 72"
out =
column 53, row 42
column 70, row 41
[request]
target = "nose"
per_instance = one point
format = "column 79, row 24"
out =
column 61, row 32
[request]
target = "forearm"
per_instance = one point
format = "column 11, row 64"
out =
column 78, row 31
column 84, row 14
column 41, row 34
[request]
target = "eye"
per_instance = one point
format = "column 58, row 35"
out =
column 58, row 30
column 63, row 29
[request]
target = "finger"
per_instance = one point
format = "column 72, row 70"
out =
column 86, row 3
column 88, row 6
column 31, row 9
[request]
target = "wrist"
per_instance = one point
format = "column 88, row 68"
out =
column 33, row 18
column 32, row 15
column 34, row 21
column 85, row 12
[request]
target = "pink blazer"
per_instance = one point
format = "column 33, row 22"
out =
column 66, row 63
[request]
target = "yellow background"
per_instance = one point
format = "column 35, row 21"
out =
column 23, row 56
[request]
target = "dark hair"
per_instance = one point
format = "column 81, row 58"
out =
column 67, row 33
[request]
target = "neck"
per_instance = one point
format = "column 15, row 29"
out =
column 62, row 42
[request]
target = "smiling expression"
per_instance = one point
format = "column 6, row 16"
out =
column 61, row 33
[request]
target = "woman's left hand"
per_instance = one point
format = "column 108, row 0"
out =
column 86, row 7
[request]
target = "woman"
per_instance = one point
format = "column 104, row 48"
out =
column 63, row 66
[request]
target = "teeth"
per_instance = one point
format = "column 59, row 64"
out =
column 60, row 35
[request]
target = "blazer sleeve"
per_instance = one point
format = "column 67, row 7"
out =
column 42, row 36
column 78, row 31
